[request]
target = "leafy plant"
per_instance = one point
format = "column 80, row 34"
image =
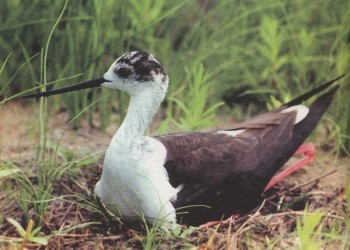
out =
column 36, row 192
column 40, row 193
column 271, row 49
column 274, row 103
column 196, row 113
column 346, row 215
column 7, row 170
column 270, row 46
column 307, row 230
column 29, row 234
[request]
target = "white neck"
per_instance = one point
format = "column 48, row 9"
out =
column 142, row 107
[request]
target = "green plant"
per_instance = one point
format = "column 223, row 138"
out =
column 196, row 113
column 307, row 231
column 29, row 234
column 270, row 46
column 7, row 170
column 274, row 103
column 271, row 49
column 37, row 194
column 208, row 48
column 346, row 215
column 40, row 193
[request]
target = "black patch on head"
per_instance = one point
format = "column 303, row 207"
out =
column 142, row 63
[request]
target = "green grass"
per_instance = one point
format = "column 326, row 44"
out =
column 36, row 195
column 278, row 49
column 194, row 113
column 309, row 237
column 29, row 234
column 273, row 47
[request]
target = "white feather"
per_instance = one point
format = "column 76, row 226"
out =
column 232, row 133
column 134, row 181
column 301, row 110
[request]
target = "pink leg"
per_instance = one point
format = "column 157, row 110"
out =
column 309, row 151
column 214, row 223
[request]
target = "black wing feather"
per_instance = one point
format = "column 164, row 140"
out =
column 229, row 173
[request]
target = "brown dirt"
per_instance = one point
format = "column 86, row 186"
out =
column 18, row 135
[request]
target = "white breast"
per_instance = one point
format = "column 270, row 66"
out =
column 134, row 181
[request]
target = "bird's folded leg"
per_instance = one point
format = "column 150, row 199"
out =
column 214, row 223
column 309, row 151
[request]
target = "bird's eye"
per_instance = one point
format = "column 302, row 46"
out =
column 124, row 72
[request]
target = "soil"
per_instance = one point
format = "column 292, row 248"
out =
column 18, row 140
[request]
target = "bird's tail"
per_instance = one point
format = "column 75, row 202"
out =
column 304, row 128
column 316, row 110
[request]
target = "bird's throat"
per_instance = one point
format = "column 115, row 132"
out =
column 141, row 110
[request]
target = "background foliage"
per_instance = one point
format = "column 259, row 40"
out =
column 247, row 50
column 251, row 54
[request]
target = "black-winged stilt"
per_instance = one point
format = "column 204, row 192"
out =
column 225, row 170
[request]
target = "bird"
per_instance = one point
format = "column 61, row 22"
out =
column 194, row 177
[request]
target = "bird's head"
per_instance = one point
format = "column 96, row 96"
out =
column 134, row 72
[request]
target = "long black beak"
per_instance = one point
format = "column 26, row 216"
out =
column 84, row 85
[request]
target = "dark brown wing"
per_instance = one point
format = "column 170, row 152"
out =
column 229, row 173
column 225, row 173
column 209, row 157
